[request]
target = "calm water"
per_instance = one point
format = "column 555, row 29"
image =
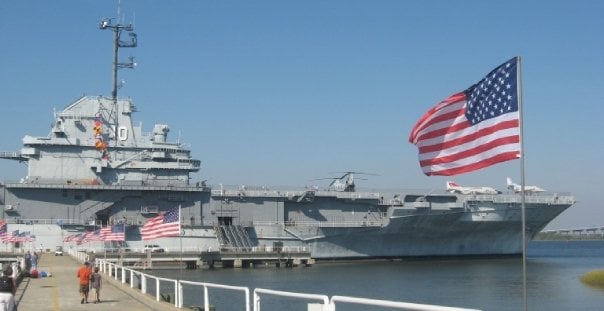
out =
column 554, row 269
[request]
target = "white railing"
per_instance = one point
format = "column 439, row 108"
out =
column 144, row 277
column 391, row 304
column 258, row 291
column 119, row 273
column 206, row 295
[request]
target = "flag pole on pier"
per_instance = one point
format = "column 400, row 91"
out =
column 180, row 238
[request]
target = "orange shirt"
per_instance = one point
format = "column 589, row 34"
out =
column 84, row 275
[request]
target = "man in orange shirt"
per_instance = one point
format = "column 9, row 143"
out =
column 84, row 275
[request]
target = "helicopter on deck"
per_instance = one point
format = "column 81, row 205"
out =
column 344, row 183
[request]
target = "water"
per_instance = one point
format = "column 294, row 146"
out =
column 554, row 269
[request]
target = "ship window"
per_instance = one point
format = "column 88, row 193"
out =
column 412, row 198
column 64, row 193
column 87, row 195
column 78, row 197
column 441, row 199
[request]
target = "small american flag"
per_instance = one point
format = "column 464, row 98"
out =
column 92, row 236
column 472, row 129
column 71, row 237
column 79, row 238
column 11, row 237
column 113, row 233
column 25, row 236
column 164, row 225
column 3, row 233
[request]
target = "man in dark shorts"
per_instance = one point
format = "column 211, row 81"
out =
column 84, row 276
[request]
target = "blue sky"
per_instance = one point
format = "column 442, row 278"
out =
column 284, row 92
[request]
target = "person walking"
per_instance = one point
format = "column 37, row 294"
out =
column 95, row 282
column 34, row 261
column 7, row 290
column 83, row 275
column 27, row 262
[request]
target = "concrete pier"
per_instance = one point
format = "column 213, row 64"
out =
column 60, row 291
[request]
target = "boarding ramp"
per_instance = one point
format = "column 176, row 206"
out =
column 233, row 237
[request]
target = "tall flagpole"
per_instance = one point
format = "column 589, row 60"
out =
column 178, row 298
column 522, row 192
column 180, row 234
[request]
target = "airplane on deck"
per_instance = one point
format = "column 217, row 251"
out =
column 517, row 188
column 453, row 187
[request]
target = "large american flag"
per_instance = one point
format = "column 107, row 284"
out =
column 472, row 129
column 114, row 233
column 164, row 225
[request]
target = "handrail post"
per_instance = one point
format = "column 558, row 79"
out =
column 206, row 299
column 143, row 283
column 131, row 278
column 256, row 301
column 123, row 275
column 180, row 293
column 247, row 299
column 176, row 296
column 157, row 289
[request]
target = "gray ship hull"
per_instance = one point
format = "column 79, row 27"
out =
column 330, row 225
column 460, row 233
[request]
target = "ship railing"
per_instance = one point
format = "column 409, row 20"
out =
column 88, row 185
column 255, row 193
column 322, row 224
column 349, row 195
column 140, row 282
column 74, row 115
column 43, row 221
column 98, row 249
column 293, row 193
column 267, row 249
column 10, row 154
column 544, row 198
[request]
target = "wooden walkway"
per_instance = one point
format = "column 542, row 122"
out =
column 60, row 291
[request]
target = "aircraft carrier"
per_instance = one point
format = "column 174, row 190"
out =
column 97, row 168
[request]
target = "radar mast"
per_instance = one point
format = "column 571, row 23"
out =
column 118, row 28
